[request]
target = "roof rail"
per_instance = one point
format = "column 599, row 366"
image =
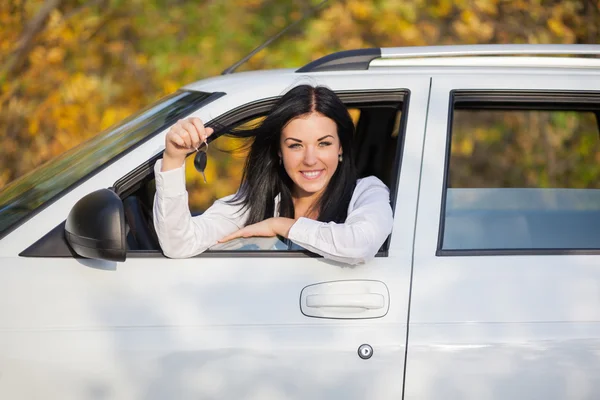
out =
column 490, row 50
column 348, row 60
column 360, row 59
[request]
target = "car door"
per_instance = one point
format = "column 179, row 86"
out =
column 263, row 325
column 505, row 298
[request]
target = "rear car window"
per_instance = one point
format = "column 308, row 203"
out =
column 522, row 178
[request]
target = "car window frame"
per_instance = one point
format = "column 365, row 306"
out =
column 550, row 100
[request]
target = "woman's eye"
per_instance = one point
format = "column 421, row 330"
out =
column 294, row 146
column 323, row 144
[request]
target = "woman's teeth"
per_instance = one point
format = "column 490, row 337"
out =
column 311, row 174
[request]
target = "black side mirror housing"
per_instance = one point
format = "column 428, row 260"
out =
column 95, row 227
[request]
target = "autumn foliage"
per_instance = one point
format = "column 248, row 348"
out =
column 71, row 68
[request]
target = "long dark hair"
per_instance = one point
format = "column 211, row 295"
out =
column 264, row 178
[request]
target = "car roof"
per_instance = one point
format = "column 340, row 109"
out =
column 527, row 58
column 239, row 80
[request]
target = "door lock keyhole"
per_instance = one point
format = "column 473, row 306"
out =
column 365, row 351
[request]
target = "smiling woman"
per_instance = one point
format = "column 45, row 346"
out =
column 299, row 182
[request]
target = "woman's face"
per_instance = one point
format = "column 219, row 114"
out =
column 310, row 148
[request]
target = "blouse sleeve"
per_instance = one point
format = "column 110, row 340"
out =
column 358, row 239
column 180, row 235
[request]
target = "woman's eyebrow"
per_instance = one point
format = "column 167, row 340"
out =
column 325, row 137
column 294, row 139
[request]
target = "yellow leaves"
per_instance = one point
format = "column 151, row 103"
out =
column 253, row 3
column 441, row 8
column 361, row 9
column 489, row 7
column 55, row 19
column 141, row 59
column 34, row 127
column 463, row 147
column 468, row 17
column 169, row 86
column 113, row 115
column 37, row 55
column 4, row 177
column 116, row 47
column 409, row 33
column 56, row 55
column 472, row 29
column 560, row 30
column 79, row 88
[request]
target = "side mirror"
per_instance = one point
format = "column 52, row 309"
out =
column 95, row 227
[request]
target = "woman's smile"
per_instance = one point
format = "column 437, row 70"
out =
column 313, row 174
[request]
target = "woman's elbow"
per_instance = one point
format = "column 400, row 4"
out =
column 363, row 249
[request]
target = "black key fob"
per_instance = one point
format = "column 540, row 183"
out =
column 200, row 162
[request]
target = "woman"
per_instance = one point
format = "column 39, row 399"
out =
column 299, row 182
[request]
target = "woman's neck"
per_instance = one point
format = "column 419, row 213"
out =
column 304, row 206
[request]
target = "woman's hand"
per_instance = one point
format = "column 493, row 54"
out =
column 183, row 137
column 267, row 228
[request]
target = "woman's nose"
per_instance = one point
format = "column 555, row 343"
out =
column 310, row 156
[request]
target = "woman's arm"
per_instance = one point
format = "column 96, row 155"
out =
column 180, row 235
column 358, row 239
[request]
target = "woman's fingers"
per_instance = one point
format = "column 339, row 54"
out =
column 193, row 133
column 234, row 235
column 203, row 132
column 184, row 135
column 174, row 137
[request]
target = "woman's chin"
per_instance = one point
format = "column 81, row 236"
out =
column 310, row 188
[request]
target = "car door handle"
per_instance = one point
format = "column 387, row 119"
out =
column 370, row 301
column 347, row 299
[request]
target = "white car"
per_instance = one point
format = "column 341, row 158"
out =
column 487, row 288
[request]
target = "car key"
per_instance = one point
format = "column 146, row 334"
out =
column 200, row 160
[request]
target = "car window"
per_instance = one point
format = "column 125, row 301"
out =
column 26, row 195
column 525, row 176
column 378, row 141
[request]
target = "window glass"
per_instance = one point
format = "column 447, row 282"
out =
column 523, row 179
column 25, row 195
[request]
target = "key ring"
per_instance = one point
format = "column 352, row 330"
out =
column 198, row 148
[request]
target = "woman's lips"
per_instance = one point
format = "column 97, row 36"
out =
column 312, row 175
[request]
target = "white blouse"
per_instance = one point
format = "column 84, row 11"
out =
column 357, row 240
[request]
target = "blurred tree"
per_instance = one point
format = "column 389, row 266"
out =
column 70, row 68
